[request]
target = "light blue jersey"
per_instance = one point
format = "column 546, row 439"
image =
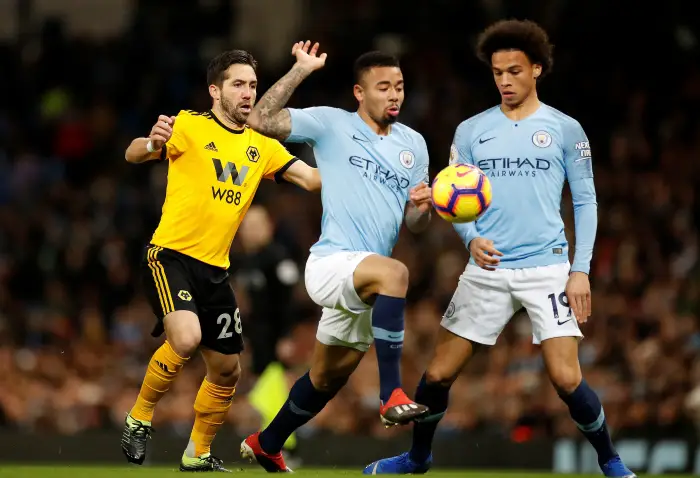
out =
column 527, row 162
column 366, row 177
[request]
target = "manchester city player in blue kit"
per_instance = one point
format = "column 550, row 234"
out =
column 519, row 254
column 374, row 173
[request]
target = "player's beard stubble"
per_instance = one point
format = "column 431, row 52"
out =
column 384, row 119
column 233, row 112
column 389, row 119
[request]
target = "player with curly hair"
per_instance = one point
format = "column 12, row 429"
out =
column 519, row 253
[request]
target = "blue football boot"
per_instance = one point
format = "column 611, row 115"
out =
column 398, row 465
column 615, row 468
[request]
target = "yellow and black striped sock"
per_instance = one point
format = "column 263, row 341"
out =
column 164, row 366
column 211, row 406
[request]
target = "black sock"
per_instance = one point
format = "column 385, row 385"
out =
column 435, row 397
column 387, row 326
column 587, row 412
column 303, row 404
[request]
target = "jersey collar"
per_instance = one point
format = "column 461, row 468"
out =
column 368, row 132
column 230, row 130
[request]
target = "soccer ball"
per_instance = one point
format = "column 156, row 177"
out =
column 461, row 193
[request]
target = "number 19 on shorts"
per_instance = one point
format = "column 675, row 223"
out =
column 562, row 300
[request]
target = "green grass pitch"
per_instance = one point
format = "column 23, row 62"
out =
column 63, row 471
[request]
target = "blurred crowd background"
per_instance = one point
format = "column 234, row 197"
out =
column 80, row 79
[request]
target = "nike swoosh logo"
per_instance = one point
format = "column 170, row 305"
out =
column 364, row 140
column 562, row 323
column 394, row 337
column 482, row 141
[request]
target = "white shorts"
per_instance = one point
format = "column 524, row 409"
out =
column 346, row 320
column 485, row 301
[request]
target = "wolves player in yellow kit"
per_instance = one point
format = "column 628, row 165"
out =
column 215, row 164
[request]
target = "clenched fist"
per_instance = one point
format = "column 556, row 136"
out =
column 161, row 131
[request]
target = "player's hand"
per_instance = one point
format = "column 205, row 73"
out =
column 484, row 254
column 162, row 131
column 422, row 197
column 307, row 56
column 578, row 291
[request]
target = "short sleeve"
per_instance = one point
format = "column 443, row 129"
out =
column 461, row 149
column 578, row 161
column 308, row 124
column 177, row 144
column 279, row 160
column 422, row 167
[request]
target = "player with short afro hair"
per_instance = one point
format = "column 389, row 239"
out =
column 524, row 35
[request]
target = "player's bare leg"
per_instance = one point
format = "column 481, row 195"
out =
column 383, row 282
column 213, row 402
column 451, row 354
column 561, row 361
column 331, row 367
column 183, row 336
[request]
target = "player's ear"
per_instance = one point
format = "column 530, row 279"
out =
column 536, row 71
column 214, row 92
column 358, row 92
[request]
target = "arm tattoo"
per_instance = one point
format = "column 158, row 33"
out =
column 268, row 117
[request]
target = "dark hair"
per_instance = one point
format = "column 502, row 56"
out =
column 373, row 59
column 524, row 35
column 216, row 71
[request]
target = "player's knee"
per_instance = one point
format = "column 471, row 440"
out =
column 329, row 384
column 436, row 375
column 184, row 340
column 565, row 379
column 328, row 380
column 183, row 332
column 226, row 374
column 394, row 279
column 183, row 345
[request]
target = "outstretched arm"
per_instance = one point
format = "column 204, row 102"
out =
column 303, row 176
column 268, row 117
column 150, row 148
column 141, row 150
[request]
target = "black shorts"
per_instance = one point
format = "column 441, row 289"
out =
column 175, row 281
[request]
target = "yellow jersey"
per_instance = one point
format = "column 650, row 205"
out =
column 213, row 174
